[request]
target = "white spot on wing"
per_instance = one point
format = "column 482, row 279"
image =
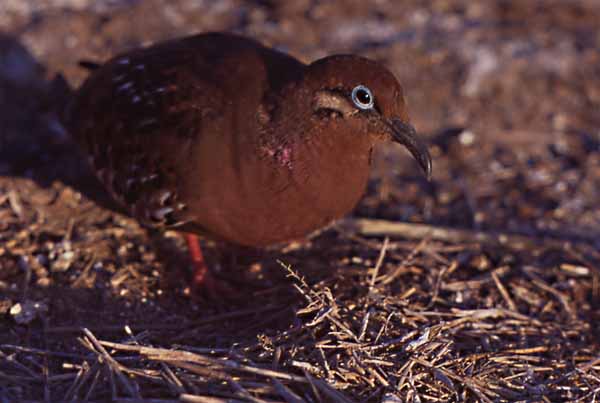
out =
column 148, row 178
column 164, row 197
column 161, row 213
column 125, row 86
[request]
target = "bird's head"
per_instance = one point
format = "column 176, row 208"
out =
column 360, row 97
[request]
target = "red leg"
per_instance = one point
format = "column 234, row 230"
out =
column 201, row 271
column 203, row 279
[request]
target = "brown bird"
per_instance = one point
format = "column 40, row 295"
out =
column 217, row 135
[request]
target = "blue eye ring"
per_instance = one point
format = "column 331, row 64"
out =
column 363, row 97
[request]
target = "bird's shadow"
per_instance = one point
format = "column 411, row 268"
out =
column 33, row 144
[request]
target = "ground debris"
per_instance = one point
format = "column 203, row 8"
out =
column 25, row 312
column 480, row 286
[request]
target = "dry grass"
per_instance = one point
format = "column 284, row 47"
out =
column 399, row 321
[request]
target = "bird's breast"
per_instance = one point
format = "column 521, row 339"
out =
column 280, row 193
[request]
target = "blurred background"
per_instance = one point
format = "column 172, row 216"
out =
column 511, row 88
column 507, row 93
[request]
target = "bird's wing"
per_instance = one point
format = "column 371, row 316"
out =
column 141, row 115
column 135, row 117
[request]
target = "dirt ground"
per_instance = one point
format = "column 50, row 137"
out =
column 481, row 286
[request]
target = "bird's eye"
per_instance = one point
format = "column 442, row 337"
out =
column 362, row 97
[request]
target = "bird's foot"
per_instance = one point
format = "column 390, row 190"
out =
column 204, row 282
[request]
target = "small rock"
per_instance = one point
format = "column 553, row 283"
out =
column 64, row 261
column 25, row 312
column 467, row 138
column 391, row 398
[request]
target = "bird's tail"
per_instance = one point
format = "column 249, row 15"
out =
column 60, row 94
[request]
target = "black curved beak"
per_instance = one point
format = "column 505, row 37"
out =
column 406, row 135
